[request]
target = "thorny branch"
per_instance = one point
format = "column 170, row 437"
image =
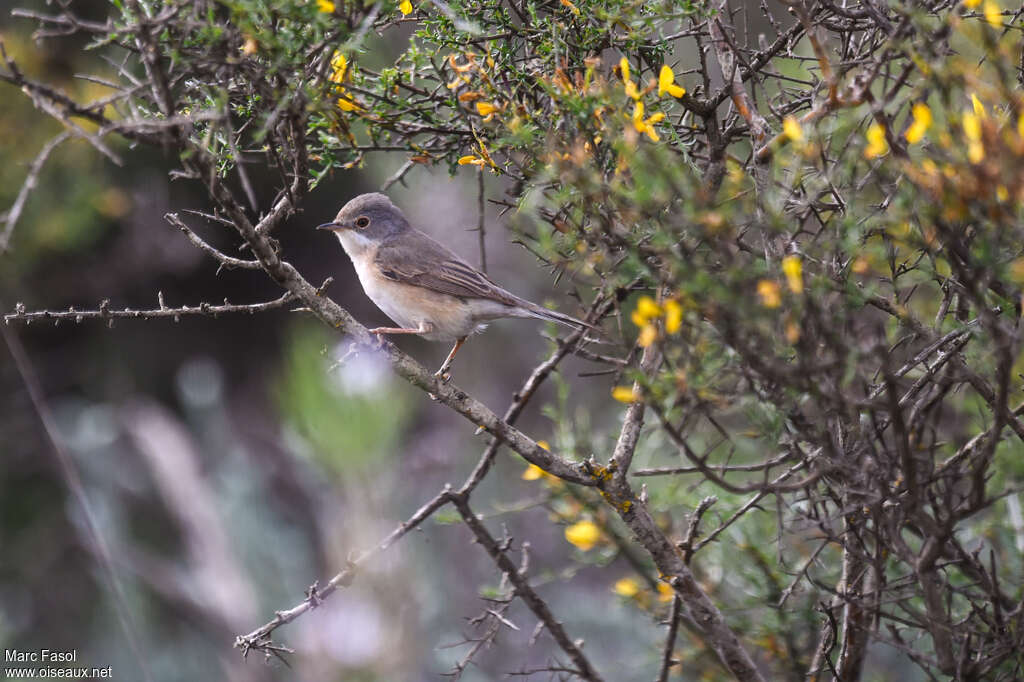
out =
column 867, row 401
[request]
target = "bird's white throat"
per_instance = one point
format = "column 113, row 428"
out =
column 353, row 242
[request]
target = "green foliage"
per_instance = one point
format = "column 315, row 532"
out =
column 350, row 424
column 817, row 247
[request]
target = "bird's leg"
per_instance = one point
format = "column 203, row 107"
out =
column 446, row 365
column 424, row 328
column 379, row 331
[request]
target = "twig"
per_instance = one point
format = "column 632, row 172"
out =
column 667, row 661
column 481, row 228
column 259, row 639
column 105, row 312
column 11, row 217
column 224, row 259
column 523, row 589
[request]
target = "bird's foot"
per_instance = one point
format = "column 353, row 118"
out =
column 379, row 338
column 444, row 377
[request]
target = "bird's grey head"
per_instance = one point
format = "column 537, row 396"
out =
column 368, row 218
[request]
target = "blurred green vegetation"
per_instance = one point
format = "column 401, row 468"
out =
column 352, row 411
column 332, row 451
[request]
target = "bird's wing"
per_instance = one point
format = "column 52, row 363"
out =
column 418, row 260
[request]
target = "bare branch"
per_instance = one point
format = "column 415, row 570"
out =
column 12, row 215
column 105, row 312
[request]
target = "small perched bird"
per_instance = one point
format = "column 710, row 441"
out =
column 421, row 284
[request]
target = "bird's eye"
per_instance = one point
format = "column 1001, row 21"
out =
column 362, row 221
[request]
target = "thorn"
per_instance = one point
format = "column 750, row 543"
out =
column 323, row 287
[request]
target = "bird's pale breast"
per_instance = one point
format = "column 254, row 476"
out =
column 451, row 318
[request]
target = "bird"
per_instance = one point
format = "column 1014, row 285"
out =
column 421, row 284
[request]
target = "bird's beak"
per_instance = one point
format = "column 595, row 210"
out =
column 330, row 226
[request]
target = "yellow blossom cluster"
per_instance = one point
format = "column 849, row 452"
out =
column 481, row 159
column 630, row 588
column 627, row 394
column 971, row 125
column 666, row 85
column 793, row 269
column 571, row 7
column 583, row 534
column 922, row 116
column 877, row 144
column 792, row 128
column 339, row 70
column 328, row 7
column 769, row 291
column 646, row 125
column 464, row 72
column 649, row 312
column 647, row 315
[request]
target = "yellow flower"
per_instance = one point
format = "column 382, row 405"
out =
column 405, row 7
column 470, row 160
column 533, row 473
column 793, row 268
column 632, row 91
column 638, row 117
column 792, row 128
column 339, row 70
column 665, row 592
column 667, row 82
column 673, row 316
column 643, row 125
column 648, row 335
column 624, row 69
column 975, row 152
column 572, row 8
column 339, row 67
column 922, row 121
column 877, row 144
column 348, row 105
column 1002, row 194
column 544, row 445
column 971, row 4
column 626, row 394
column 770, row 293
column 626, row 587
column 971, row 124
column 583, row 534
column 325, row 6
column 972, row 127
column 979, row 108
column 485, row 108
column 993, row 14
column 646, row 309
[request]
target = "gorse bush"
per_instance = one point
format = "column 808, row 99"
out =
column 801, row 231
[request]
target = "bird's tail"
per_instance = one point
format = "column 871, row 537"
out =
column 533, row 310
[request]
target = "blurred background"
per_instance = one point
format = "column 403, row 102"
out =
column 228, row 463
